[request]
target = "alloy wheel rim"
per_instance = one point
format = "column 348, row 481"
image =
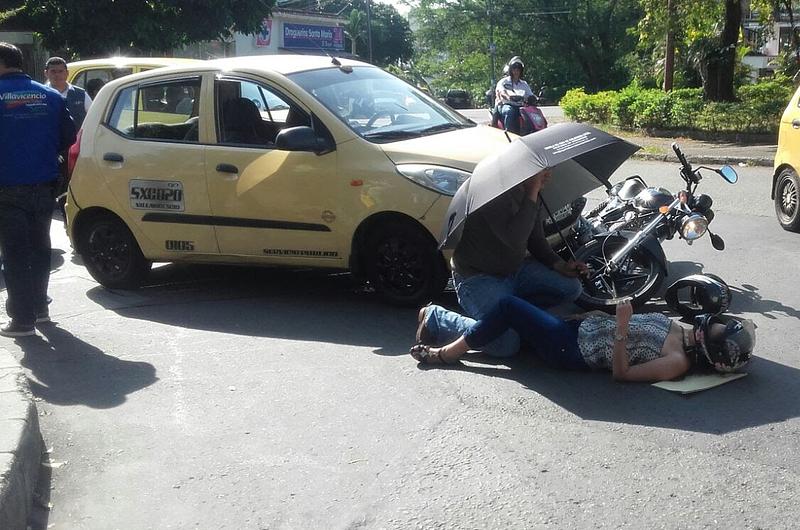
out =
column 630, row 272
column 789, row 198
column 399, row 268
column 108, row 251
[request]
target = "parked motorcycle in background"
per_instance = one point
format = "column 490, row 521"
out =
column 623, row 247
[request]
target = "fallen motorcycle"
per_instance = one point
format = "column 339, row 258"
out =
column 624, row 253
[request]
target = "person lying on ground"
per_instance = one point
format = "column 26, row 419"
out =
column 645, row 347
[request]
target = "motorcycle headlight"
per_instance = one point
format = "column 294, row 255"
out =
column 444, row 180
column 694, row 226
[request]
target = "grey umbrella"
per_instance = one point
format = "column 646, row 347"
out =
column 580, row 157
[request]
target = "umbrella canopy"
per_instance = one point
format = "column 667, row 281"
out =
column 580, row 157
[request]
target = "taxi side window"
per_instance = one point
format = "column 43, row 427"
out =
column 251, row 114
column 165, row 111
column 104, row 75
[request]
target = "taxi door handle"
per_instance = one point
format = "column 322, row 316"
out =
column 113, row 157
column 795, row 124
column 227, row 168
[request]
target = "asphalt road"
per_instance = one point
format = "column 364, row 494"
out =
column 228, row 398
column 552, row 113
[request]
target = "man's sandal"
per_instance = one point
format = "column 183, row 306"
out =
column 424, row 354
column 423, row 334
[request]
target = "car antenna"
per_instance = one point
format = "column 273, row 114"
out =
column 334, row 60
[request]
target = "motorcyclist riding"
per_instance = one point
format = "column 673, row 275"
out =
column 510, row 94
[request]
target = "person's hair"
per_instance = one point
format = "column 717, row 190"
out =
column 10, row 55
column 55, row 61
column 93, row 86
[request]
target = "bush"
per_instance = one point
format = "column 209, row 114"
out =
column 596, row 108
column 758, row 110
column 685, row 106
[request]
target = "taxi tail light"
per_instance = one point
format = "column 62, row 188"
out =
column 72, row 154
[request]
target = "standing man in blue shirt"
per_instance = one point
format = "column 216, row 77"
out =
column 78, row 100
column 35, row 126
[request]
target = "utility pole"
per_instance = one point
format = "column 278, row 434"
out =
column 492, row 47
column 369, row 29
column 669, row 59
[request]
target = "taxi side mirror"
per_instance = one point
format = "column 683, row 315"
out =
column 302, row 138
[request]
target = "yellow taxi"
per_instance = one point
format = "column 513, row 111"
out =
column 785, row 181
column 283, row 160
column 82, row 73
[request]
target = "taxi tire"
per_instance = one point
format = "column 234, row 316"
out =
column 404, row 265
column 787, row 195
column 111, row 254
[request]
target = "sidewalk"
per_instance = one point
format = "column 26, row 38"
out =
column 20, row 445
column 659, row 148
column 702, row 152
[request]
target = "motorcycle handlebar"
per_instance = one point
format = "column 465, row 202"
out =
column 687, row 170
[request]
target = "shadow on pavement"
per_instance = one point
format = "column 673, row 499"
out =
column 765, row 396
column 310, row 305
column 68, row 371
column 745, row 297
column 260, row 302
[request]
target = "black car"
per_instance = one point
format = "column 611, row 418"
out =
column 458, row 99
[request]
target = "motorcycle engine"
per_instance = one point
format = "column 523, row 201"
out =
column 652, row 199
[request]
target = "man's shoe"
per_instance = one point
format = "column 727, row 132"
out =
column 43, row 317
column 12, row 329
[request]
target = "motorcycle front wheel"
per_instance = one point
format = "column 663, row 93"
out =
column 638, row 276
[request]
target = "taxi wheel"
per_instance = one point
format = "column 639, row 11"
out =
column 403, row 265
column 787, row 193
column 111, row 253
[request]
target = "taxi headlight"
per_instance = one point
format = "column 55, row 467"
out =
column 444, row 180
column 694, row 226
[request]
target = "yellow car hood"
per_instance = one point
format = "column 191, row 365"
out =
column 461, row 149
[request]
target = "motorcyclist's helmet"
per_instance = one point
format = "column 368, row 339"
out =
column 724, row 343
column 698, row 294
column 514, row 61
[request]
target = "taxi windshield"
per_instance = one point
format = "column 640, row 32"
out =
column 378, row 106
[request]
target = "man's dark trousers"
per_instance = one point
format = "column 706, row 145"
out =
column 25, row 214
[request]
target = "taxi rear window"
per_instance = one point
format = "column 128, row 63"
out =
column 165, row 111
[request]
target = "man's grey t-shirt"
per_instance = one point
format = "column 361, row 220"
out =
column 497, row 237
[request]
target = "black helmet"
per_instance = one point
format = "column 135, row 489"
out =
column 707, row 293
column 727, row 347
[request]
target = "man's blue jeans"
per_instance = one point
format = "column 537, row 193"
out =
column 510, row 114
column 25, row 214
column 554, row 340
column 480, row 294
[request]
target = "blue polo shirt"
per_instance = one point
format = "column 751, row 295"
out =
column 35, row 126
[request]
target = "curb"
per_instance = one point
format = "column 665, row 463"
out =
column 20, row 445
column 708, row 159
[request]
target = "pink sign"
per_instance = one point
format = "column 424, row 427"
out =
column 264, row 34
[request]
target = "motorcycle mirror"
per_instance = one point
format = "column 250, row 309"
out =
column 729, row 174
column 717, row 242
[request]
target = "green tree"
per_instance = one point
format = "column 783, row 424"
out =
column 579, row 44
column 88, row 27
column 392, row 40
column 707, row 33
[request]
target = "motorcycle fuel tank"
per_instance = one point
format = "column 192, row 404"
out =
column 652, row 199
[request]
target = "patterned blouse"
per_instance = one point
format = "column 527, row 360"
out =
column 646, row 336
